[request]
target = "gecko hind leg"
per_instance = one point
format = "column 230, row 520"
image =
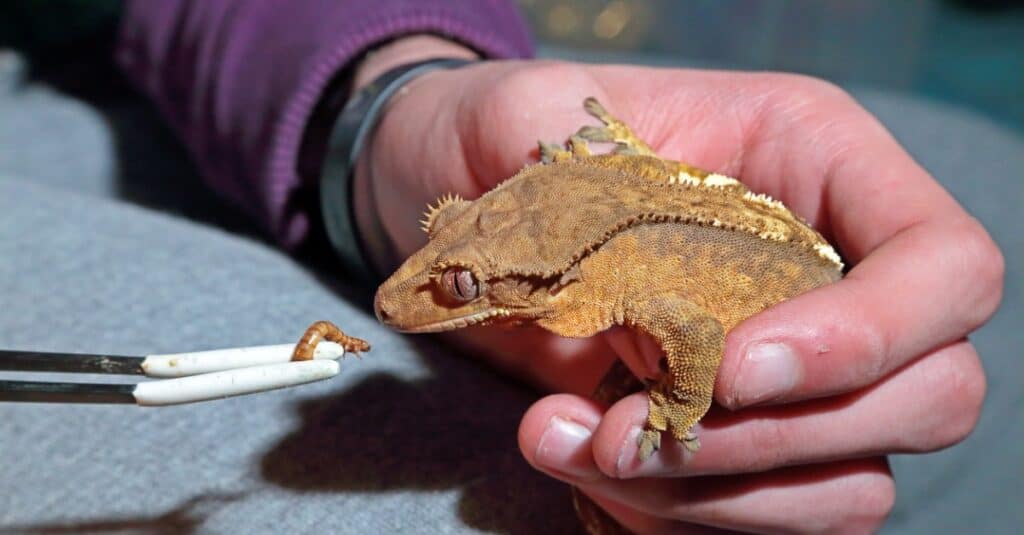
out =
column 613, row 131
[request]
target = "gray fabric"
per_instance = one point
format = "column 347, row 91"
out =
column 410, row 438
column 97, row 254
column 49, row 139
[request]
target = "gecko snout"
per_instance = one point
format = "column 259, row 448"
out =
column 379, row 308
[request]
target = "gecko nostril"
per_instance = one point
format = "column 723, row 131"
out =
column 378, row 308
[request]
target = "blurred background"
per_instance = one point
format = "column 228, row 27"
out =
column 963, row 52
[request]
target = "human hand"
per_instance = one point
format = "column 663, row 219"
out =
column 877, row 363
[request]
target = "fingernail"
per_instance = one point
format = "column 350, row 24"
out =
column 628, row 462
column 768, row 371
column 565, row 447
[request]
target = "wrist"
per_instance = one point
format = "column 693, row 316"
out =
column 405, row 50
column 365, row 204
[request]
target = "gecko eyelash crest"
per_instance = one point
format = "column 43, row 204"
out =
column 186, row 377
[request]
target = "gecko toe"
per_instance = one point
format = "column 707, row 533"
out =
column 691, row 442
column 649, row 441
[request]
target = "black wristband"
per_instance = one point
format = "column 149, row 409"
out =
column 349, row 135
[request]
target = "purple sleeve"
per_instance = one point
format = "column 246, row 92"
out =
column 238, row 79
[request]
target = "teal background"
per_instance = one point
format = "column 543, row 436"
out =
column 966, row 53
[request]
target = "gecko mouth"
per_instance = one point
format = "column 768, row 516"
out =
column 458, row 323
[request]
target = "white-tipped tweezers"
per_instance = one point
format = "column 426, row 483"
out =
column 186, row 377
column 194, row 376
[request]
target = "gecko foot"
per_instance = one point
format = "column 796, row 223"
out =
column 552, row 152
column 649, row 442
column 613, row 131
column 691, row 442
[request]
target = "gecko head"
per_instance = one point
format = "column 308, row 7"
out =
column 449, row 284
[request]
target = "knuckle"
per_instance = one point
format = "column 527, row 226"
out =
column 533, row 79
column 873, row 502
column 868, row 503
column 972, row 259
column 877, row 351
column 811, row 90
column 774, row 445
column 502, row 98
column 821, row 111
column 961, row 382
column 870, row 339
column 984, row 263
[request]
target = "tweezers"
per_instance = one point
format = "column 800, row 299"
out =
column 185, row 377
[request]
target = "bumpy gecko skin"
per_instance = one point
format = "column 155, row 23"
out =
column 582, row 242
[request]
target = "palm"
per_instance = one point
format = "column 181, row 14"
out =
column 473, row 139
column 886, row 333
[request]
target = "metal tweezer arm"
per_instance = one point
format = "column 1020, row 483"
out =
column 34, row 361
column 42, row 392
column 38, row 391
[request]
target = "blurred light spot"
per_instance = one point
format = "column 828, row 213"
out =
column 563, row 20
column 612, row 20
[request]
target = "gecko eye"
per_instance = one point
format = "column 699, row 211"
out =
column 460, row 284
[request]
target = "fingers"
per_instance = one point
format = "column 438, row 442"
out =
column 552, row 363
column 924, row 288
column 930, row 404
column 849, row 496
column 646, row 524
column 925, row 273
column 557, row 438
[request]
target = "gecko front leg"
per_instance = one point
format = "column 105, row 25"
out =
column 693, row 341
